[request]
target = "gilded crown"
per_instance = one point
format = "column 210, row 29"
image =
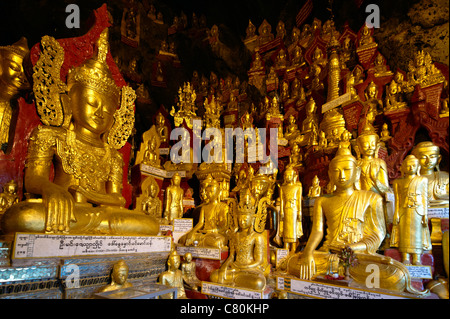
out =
column 94, row 73
column 20, row 47
column 247, row 203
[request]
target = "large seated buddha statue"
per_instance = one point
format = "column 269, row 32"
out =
column 82, row 133
column 353, row 219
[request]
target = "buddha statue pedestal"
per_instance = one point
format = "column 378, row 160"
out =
column 36, row 261
column 232, row 292
column 426, row 268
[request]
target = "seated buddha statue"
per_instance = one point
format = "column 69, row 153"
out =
column 429, row 158
column 394, row 97
column 85, row 195
column 213, row 220
column 349, row 219
column 292, row 131
column 265, row 33
column 310, row 121
column 9, row 196
column 372, row 104
column 315, row 190
column 247, row 264
column 12, row 81
column 366, row 39
column 173, row 276
column 380, row 68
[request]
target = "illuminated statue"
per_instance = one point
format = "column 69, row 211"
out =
column 394, row 98
column 213, row 220
column 422, row 71
column 149, row 200
column 353, row 219
column 374, row 173
column 410, row 227
column 292, row 130
column 429, row 158
column 247, row 264
column 315, row 190
column 265, row 33
column 291, row 209
column 119, row 278
column 380, row 68
column 85, row 196
column 12, row 81
column 173, row 276
column 173, row 206
column 188, row 268
column 9, row 196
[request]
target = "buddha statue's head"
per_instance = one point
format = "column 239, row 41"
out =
column 153, row 189
column 10, row 187
column 176, row 179
column 246, row 210
column 393, row 88
column 343, row 170
column 410, row 165
column 12, row 75
column 290, row 175
column 371, row 91
column 174, row 260
column 93, row 95
column 188, row 257
column 428, row 155
column 120, row 272
column 367, row 141
column 160, row 120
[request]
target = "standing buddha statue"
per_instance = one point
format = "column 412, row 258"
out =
column 410, row 228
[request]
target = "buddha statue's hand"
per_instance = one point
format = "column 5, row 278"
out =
column 59, row 206
column 307, row 266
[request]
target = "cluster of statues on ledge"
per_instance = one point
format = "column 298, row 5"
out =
column 86, row 125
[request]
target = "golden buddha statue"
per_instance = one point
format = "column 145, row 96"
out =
column 372, row 104
column 422, row 71
column 161, row 128
column 173, row 276
column 292, row 130
column 173, row 206
column 410, row 231
column 374, row 172
column 354, row 219
column 250, row 32
column 188, row 268
column 366, row 40
column 291, row 209
column 315, row 190
column 380, row 68
column 310, row 120
column 385, row 135
column 358, row 73
column 297, row 59
column 306, row 36
column 213, row 220
column 9, row 196
column 394, row 98
column 323, row 142
column 149, row 200
column 284, row 94
column 296, row 157
column 257, row 63
column 281, row 61
column 429, row 158
column 247, row 264
column 81, row 135
column 151, row 154
column 12, row 81
column 281, row 30
column 265, row 33
column 119, row 276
